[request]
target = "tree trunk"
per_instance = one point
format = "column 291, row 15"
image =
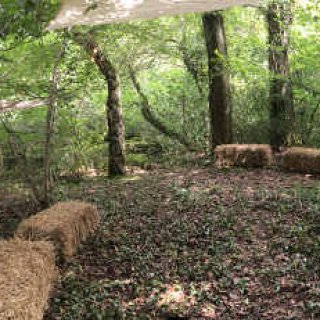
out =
column 116, row 135
column 282, row 116
column 219, row 86
column 151, row 118
column 50, row 122
column 47, row 183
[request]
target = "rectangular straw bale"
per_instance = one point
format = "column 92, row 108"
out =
column 27, row 272
column 66, row 224
column 243, row 155
column 299, row 159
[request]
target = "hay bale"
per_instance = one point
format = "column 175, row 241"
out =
column 27, row 272
column 243, row 155
column 299, row 159
column 66, row 225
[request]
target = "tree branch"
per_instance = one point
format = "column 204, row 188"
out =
column 151, row 118
column 9, row 105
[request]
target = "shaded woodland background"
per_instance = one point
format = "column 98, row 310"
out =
column 258, row 66
column 127, row 117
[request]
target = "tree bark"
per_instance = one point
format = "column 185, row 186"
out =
column 116, row 131
column 219, row 86
column 47, row 183
column 282, row 117
column 50, row 123
column 151, row 118
column 8, row 106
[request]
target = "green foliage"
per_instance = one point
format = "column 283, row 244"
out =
column 203, row 222
column 25, row 18
column 85, row 299
column 305, row 69
column 137, row 159
column 176, row 100
column 169, row 57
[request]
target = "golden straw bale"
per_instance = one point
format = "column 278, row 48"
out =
column 27, row 272
column 299, row 159
column 66, row 224
column 243, row 155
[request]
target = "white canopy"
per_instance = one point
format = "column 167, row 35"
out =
column 92, row 12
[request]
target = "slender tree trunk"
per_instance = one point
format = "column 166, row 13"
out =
column 153, row 120
column 116, row 134
column 282, row 118
column 219, row 86
column 50, row 121
column 47, row 183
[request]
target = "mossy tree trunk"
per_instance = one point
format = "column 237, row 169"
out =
column 282, row 117
column 219, row 84
column 116, row 135
column 116, row 130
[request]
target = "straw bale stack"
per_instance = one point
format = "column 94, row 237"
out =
column 243, row 155
column 27, row 272
column 299, row 159
column 66, row 225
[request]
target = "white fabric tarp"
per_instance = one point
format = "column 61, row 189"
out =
column 92, row 12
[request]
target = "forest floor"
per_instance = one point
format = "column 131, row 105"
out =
column 196, row 244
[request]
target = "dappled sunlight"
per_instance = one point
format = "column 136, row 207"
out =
column 174, row 300
column 172, row 162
